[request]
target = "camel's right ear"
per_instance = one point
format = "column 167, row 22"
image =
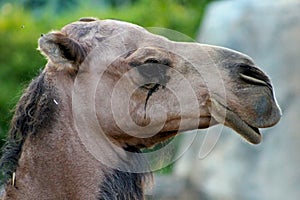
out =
column 64, row 52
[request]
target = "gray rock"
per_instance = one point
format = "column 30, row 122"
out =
column 268, row 31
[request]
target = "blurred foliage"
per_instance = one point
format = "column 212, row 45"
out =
column 23, row 21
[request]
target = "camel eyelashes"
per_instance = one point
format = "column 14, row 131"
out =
column 166, row 62
column 152, row 60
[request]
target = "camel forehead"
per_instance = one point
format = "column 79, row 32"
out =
column 101, row 26
column 102, row 29
column 116, row 34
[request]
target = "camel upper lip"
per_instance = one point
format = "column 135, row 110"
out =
column 224, row 115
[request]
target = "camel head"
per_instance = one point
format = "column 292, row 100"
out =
column 141, row 88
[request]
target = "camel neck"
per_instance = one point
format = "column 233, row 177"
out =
column 54, row 164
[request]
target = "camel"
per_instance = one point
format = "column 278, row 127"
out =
column 111, row 89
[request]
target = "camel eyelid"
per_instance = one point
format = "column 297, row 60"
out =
column 166, row 62
column 152, row 60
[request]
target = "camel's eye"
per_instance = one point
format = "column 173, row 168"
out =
column 153, row 72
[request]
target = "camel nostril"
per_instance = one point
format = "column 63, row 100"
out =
column 253, row 75
column 253, row 80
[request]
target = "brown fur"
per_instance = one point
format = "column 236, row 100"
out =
column 51, row 158
column 33, row 112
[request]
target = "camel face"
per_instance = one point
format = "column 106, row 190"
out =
column 146, row 88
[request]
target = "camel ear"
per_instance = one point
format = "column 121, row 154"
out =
column 64, row 52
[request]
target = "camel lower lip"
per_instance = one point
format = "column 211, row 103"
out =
column 227, row 117
column 255, row 129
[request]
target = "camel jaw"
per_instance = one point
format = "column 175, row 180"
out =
column 227, row 117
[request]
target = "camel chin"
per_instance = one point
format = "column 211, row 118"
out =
column 231, row 119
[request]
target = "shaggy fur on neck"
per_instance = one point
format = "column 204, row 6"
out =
column 123, row 185
column 33, row 112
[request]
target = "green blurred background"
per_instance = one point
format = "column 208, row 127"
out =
column 234, row 170
column 23, row 21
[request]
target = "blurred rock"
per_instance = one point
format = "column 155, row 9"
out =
column 169, row 187
column 269, row 32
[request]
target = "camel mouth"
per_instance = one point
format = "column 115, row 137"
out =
column 225, row 116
